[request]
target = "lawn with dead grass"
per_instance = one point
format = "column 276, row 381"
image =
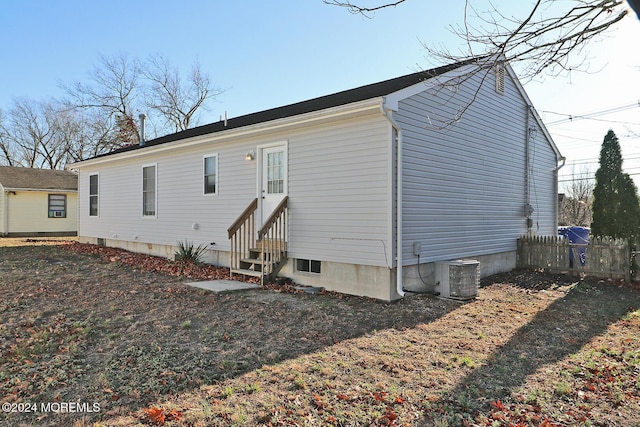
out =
column 130, row 346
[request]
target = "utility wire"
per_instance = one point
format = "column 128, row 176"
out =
column 572, row 117
column 589, row 179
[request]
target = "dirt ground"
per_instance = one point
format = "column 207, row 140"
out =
column 35, row 241
column 96, row 335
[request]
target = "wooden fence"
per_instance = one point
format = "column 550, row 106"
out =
column 602, row 257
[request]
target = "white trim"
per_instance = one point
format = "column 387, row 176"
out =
column 307, row 272
column 42, row 190
column 260, row 170
column 259, row 152
column 392, row 100
column 5, row 225
column 301, row 120
column 63, row 212
column 98, row 195
column 155, row 212
column 217, row 174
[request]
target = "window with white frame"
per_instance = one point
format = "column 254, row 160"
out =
column 275, row 172
column 210, row 173
column 309, row 265
column 149, row 191
column 57, row 206
column 93, row 195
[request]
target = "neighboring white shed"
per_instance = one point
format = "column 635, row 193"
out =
column 38, row 202
column 366, row 184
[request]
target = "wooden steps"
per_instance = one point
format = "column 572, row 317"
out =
column 259, row 252
column 254, row 266
column 244, row 272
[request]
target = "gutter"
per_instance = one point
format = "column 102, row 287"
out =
column 361, row 107
column 399, row 284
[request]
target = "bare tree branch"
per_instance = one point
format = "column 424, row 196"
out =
column 177, row 101
column 547, row 39
column 575, row 207
column 551, row 37
column 353, row 8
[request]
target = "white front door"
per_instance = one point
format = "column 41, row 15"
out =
column 273, row 183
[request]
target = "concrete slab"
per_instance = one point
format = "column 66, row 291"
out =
column 219, row 286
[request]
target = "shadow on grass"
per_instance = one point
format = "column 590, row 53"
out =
column 139, row 336
column 557, row 332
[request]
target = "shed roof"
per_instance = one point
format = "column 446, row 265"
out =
column 14, row 178
column 361, row 93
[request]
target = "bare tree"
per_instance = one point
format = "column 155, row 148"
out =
column 176, row 100
column 34, row 136
column 113, row 92
column 6, row 148
column 575, row 206
column 120, row 88
column 550, row 37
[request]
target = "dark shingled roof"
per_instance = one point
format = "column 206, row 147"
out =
column 362, row 93
column 13, row 178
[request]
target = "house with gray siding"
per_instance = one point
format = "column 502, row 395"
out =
column 360, row 191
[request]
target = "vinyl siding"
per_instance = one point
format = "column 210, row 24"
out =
column 464, row 183
column 28, row 213
column 338, row 192
column 181, row 201
column 3, row 222
column 542, row 183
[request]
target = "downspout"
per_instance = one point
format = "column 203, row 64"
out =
column 555, row 178
column 394, row 124
column 527, row 210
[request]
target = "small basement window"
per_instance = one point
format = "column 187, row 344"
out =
column 308, row 265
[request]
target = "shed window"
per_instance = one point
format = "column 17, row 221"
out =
column 149, row 192
column 57, row 205
column 210, row 169
column 93, row 195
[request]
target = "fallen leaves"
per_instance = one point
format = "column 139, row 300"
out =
column 151, row 263
column 159, row 416
column 327, row 360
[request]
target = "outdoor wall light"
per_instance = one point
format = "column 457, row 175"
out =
column 250, row 155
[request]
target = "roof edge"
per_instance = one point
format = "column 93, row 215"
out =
column 337, row 99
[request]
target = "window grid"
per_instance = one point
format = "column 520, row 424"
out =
column 309, row 266
column 93, row 195
column 149, row 190
column 275, row 173
column 211, row 174
column 57, row 206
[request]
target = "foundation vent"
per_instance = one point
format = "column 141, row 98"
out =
column 500, row 75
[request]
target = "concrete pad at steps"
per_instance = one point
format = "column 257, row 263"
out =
column 219, row 286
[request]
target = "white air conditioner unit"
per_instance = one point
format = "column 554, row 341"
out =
column 458, row 279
